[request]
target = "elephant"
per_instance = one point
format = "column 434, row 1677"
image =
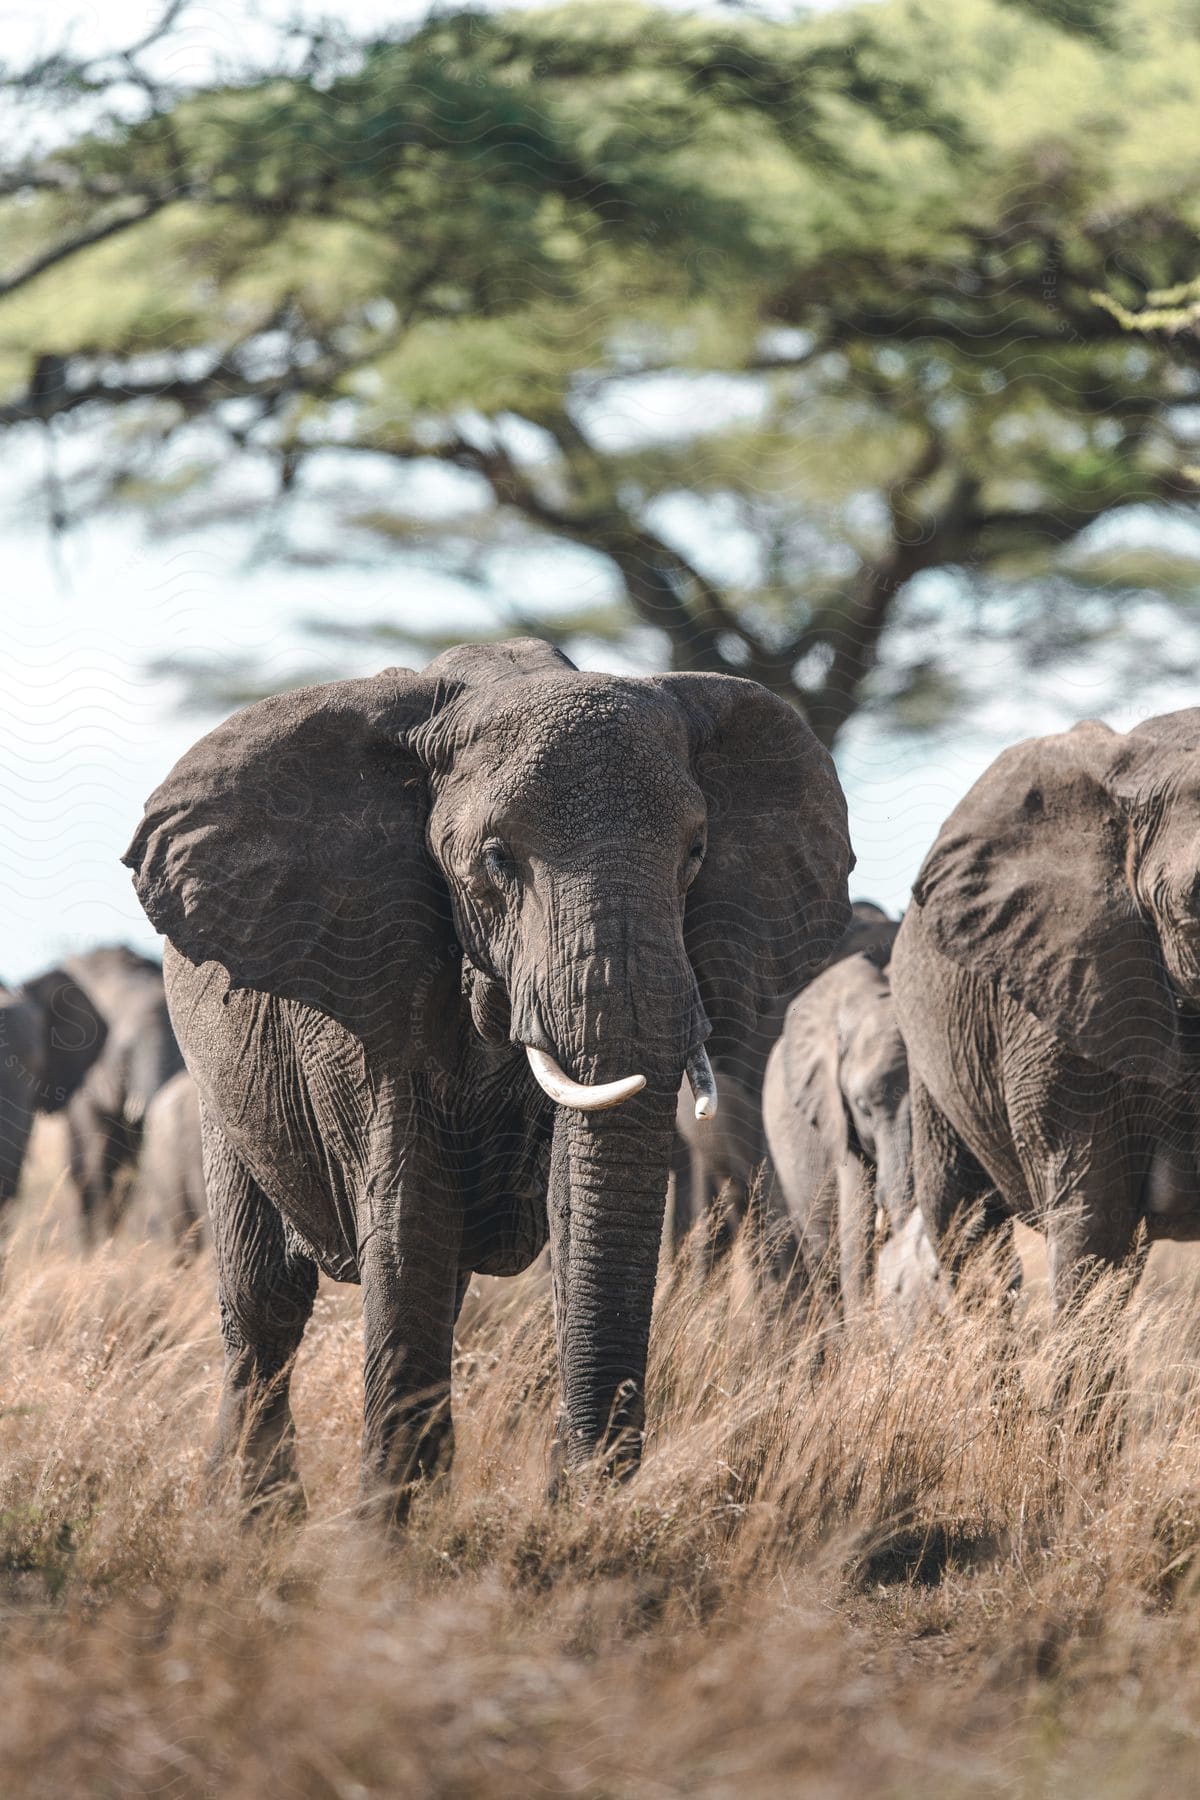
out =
column 170, row 1178
column 714, row 1165
column 1047, row 984
column 440, row 947
column 105, row 1115
column 871, row 932
column 50, row 1036
column 837, row 1122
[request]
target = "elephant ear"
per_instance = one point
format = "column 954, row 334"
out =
column 288, row 846
column 770, row 900
column 73, row 1034
column 1029, row 883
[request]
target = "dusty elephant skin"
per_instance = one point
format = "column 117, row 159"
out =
column 1047, row 980
column 50, row 1036
column 836, row 1112
column 378, row 894
column 106, row 1114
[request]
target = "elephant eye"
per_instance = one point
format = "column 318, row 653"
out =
column 695, row 857
column 498, row 863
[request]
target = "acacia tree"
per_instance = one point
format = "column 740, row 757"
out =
column 466, row 246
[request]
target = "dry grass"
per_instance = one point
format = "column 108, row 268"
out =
column 845, row 1569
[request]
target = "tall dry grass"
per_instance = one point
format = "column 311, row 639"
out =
column 961, row 1563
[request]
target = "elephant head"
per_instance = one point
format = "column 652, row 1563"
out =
column 50, row 1035
column 1070, row 874
column 601, row 872
column 871, row 932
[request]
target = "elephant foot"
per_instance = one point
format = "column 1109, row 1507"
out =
column 575, row 1477
column 416, row 1461
column 265, row 1480
column 280, row 1503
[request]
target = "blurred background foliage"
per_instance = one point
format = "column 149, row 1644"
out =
column 768, row 321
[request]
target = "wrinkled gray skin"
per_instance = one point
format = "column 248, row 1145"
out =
column 837, row 1120
column 715, row 1161
column 1047, row 982
column 50, row 1036
column 105, row 1116
column 375, row 894
column 170, row 1179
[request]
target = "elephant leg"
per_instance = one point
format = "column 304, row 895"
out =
column 724, row 1211
column 959, row 1201
column 1084, row 1168
column 16, row 1122
column 1084, row 1159
column 98, row 1147
column 412, row 1289
column 856, row 1234
column 266, row 1291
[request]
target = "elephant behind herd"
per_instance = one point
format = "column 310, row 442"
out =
column 449, row 954
column 91, row 1039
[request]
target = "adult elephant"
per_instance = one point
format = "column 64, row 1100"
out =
column 170, row 1179
column 441, row 946
column 105, row 1116
column 837, row 1120
column 715, row 1164
column 1047, row 983
column 50, row 1036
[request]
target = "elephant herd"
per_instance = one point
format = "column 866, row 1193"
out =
column 92, row 1039
column 470, row 962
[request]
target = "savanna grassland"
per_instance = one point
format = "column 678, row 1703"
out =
column 866, row 1567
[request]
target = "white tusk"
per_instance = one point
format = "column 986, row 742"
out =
column 703, row 1083
column 553, row 1081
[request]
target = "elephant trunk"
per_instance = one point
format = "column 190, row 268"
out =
column 894, row 1190
column 614, row 1005
column 608, row 1183
column 615, row 1002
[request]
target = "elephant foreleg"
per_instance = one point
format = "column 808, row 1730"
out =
column 16, row 1121
column 266, row 1291
column 1087, row 1187
column 959, row 1201
column 1083, row 1149
column 409, row 1261
column 99, row 1147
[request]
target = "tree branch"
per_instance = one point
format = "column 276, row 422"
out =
column 83, row 240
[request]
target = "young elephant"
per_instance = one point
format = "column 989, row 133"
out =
column 170, row 1181
column 106, row 1115
column 441, row 948
column 715, row 1162
column 50, row 1036
column 836, row 1112
column 1047, row 982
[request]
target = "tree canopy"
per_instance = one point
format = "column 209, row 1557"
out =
column 766, row 319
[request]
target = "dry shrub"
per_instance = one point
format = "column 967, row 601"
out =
column 957, row 1559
